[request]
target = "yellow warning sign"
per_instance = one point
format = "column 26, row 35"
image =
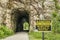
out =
column 43, row 25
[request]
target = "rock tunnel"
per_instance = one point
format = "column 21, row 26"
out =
column 18, row 18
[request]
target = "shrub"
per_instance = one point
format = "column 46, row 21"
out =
column 5, row 31
column 56, row 24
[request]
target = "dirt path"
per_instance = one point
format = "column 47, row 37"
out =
column 18, row 36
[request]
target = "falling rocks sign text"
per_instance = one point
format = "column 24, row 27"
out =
column 43, row 25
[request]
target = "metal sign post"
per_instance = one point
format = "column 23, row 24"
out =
column 42, row 35
column 43, row 25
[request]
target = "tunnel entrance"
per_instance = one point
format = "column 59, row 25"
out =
column 21, row 16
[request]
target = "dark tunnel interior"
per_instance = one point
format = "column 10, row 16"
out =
column 21, row 17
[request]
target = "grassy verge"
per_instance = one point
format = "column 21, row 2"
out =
column 47, row 36
column 5, row 31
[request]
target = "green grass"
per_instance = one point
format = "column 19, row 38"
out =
column 47, row 36
column 34, row 36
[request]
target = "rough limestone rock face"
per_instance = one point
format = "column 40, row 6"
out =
column 34, row 8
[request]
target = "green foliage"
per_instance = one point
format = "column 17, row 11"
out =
column 56, row 26
column 56, row 22
column 57, row 6
column 1, row 34
column 5, row 31
column 58, row 18
column 54, row 14
column 25, row 25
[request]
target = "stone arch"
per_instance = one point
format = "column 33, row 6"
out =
column 12, row 23
column 15, row 13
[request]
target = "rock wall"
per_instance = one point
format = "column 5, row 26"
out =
column 34, row 7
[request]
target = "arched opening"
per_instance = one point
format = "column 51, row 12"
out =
column 20, row 17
